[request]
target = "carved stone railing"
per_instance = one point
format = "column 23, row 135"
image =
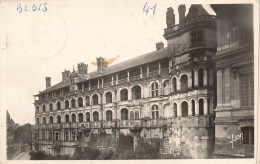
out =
column 109, row 124
column 193, row 121
column 185, row 22
column 122, row 81
column 135, row 78
column 96, row 124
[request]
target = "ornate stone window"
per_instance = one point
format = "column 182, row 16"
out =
column 155, row 90
column 58, row 106
column 73, row 136
column 155, row 112
column 108, row 97
column 66, row 136
column 67, row 118
column 193, row 107
column 175, row 109
column 95, row 99
column 51, row 120
column 87, row 117
column 50, row 135
column 67, row 104
column 124, row 114
column 136, row 115
column 43, row 120
column 73, row 117
column 248, row 135
column 56, row 136
column 51, row 107
column 136, row 92
column 58, row 119
column 247, row 89
column 201, row 107
column 37, row 109
column 87, row 101
column 184, row 109
column 109, row 115
column 43, row 135
column 43, row 108
column 196, row 38
column 174, row 85
column 73, row 103
column 124, row 95
column 37, row 121
column 80, row 117
column 96, row 116
column 184, row 82
column 80, row 102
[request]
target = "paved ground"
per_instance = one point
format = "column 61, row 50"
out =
column 23, row 156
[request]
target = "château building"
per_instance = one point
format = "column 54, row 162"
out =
column 168, row 95
column 235, row 81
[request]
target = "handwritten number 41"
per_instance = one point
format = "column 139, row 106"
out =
column 146, row 8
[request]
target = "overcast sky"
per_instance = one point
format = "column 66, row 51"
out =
column 41, row 44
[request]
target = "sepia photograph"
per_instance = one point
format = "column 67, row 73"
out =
column 129, row 80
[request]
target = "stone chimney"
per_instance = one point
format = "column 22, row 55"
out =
column 65, row 75
column 82, row 68
column 48, row 82
column 159, row 45
column 182, row 10
column 170, row 17
column 101, row 64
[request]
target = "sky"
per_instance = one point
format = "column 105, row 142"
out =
column 44, row 42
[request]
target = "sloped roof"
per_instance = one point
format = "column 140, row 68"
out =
column 196, row 10
column 140, row 60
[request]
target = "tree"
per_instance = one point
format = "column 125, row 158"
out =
column 23, row 134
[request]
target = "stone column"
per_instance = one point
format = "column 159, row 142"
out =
column 190, row 108
column 211, row 107
column 113, row 97
column 170, row 65
column 189, row 80
column 89, row 85
column 178, row 80
column 205, row 77
column 219, row 87
column 227, row 86
column 129, row 93
column 128, row 76
column 112, row 81
column 147, row 67
column 116, row 78
column 196, row 79
column 159, row 71
column 196, row 107
column 98, row 83
column 102, row 82
column 141, row 72
column 205, row 106
column 210, row 77
column 179, row 109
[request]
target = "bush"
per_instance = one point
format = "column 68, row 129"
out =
column 108, row 154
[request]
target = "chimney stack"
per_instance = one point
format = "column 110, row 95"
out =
column 101, row 64
column 182, row 10
column 170, row 17
column 65, row 75
column 48, row 82
column 159, row 45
